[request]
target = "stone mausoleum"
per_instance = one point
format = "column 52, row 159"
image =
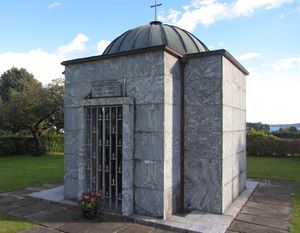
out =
column 157, row 124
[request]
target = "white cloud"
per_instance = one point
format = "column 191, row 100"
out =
column 207, row 12
column 248, row 56
column 101, row 45
column 44, row 66
column 77, row 45
column 273, row 97
column 285, row 63
column 54, row 5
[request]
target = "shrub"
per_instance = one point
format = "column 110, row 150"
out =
column 287, row 134
column 20, row 145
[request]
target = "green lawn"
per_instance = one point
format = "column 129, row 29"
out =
column 279, row 169
column 18, row 172
column 9, row 224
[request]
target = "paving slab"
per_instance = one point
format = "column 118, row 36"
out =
column 274, row 196
column 271, row 213
column 40, row 229
column 59, row 219
column 270, row 201
column 244, row 227
column 265, row 211
column 136, row 228
column 270, row 222
column 16, row 204
column 106, row 224
column 4, row 200
column 276, row 208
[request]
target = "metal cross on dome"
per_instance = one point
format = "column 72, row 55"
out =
column 156, row 5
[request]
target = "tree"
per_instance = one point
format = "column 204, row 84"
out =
column 17, row 80
column 34, row 108
column 258, row 126
column 292, row 129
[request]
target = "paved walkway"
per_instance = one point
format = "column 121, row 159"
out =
column 268, row 210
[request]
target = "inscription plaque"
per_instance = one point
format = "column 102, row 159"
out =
column 106, row 89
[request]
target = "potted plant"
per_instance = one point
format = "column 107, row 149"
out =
column 89, row 203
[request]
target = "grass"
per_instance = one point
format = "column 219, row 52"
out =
column 287, row 169
column 18, row 172
column 9, row 224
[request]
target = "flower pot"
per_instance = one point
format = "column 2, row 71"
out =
column 89, row 213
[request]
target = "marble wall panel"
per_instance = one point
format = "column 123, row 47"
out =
column 242, row 183
column 75, row 92
column 128, row 174
column 227, row 196
column 203, row 182
column 146, row 90
column 203, row 92
column 70, row 188
column 172, row 91
column 243, row 161
column 235, row 165
column 227, row 120
column 172, row 66
column 206, row 118
column 127, row 202
column 149, row 174
column 238, row 141
column 149, row 146
column 171, row 173
column 71, row 166
column 150, row 118
column 149, row 202
column 203, row 144
column 235, row 186
column 71, row 142
column 71, row 117
column 227, row 144
column 150, row 64
column 227, row 170
column 232, row 73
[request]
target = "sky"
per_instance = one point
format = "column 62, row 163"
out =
column 263, row 35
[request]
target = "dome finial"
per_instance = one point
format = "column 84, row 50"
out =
column 155, row 5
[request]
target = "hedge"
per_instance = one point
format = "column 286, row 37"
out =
column 20, row 145
column 287, row 135
column 273, row 147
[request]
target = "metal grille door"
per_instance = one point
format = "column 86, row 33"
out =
column 104, row 153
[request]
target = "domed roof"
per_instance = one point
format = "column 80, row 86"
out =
column 156, row 34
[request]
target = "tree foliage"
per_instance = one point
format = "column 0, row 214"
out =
column 258, row 126
column 31, row 107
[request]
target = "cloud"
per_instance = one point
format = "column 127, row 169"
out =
column 101, row 45
column 44, row 66
column 248, row 56
column 77, row 45
column 285, row 63
column 54, row 5
column 272, row 97
column 207, row 12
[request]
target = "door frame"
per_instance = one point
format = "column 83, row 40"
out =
column 127, row 104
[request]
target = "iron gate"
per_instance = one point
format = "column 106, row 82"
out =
column 104, row 153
